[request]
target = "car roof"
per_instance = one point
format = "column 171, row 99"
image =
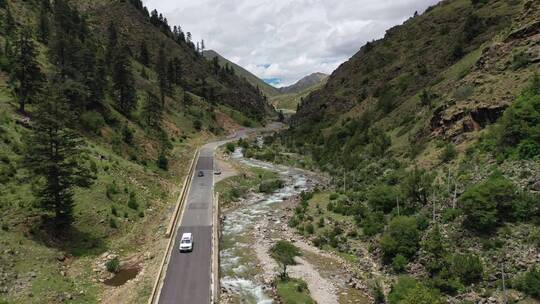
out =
column 186, row 235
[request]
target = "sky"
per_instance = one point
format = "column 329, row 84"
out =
column 282, row 41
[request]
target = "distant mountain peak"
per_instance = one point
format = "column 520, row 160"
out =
column 304, row 83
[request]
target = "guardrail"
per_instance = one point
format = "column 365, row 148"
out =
column 170, row 232
column 216, row 288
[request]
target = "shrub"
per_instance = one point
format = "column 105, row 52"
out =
column 373, row 223
column 333, row 196
column 113, row 211
column 463, row 92
column 448, row 153
column 309, row 228
column 197, row 124
column 518, row 127
column 487, row 203
column 399, row 263
column 162, row 161
column 92, row 121
column 127, row 135
column 467, row 267
column 284, row 253
column 409, row 291
column 529, row 283
column 269, row 186
column 321, row 222
column 383, row 198
column 113, row 265
column 112, row 223
column 402, row 237
column 132, row 202
column 230, row 147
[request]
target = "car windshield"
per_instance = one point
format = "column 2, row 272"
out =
column 185, row 241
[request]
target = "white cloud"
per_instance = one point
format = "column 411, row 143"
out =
column 287, row 39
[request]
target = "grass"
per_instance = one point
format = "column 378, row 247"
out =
column 236, row 187
column 294, row 291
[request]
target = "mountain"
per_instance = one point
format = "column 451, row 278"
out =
column 255, row 81
column 102, row 105
column 305, row 83
column 429, row 77
column 290, row 101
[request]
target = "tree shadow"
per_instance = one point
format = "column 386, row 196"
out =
column 70, row 240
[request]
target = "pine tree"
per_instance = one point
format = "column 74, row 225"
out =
column 9, row 22
column 54, row 154
column 215, row 64
column 144, row 55
column 161, row 70
column 44, row 25
column 112, row 43
column 124, row 82
column 152, row 110
column 26, row 75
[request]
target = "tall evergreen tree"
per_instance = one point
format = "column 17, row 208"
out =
column 112, row 43
column 26, row 74
column 44, row 24
column 152, row 110
column 144, row 54
column 161, row 70
column 54, row 154
column 124, row 82
column 9, row 22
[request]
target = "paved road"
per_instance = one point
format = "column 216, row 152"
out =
column 188, row 275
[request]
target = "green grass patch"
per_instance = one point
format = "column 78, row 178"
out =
column 294, row 291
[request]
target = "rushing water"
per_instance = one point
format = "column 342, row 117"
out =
column 238, row 262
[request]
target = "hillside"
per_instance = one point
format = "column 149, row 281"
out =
column 430, row 138
column 290, row 101
column 102, row 105
column 305, row 83
column 255, row 81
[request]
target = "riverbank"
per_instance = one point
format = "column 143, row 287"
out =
column 254, row 223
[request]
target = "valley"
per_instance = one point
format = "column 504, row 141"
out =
column 409, row 174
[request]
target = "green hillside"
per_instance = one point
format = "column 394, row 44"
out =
column 290, row 101
column 267, row 89
column 101, row 107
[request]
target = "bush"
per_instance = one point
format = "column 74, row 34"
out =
column 529, row 283
column 132, row 202
column 162, row 161
column 333, row 196
column 408, row 291
column 517, row 132
column 463, row 92
column 269, row 186
column 309, row 228
column 197, row 124
column 113, row 211
column 127, row 135
column 399, row 263
column 113, row 265
column 486, row 204
column 230, row 147
column 448, row 153
column 402, row 237
column 112, row 223
column 467, row 267
column 383, row 198
column 92, row 121
column 373, row 223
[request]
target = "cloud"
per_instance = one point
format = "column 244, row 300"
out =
column 285, row 40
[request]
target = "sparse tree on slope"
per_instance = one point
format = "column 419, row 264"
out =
column 124, row 82
column 55, row 156
column 26, row 75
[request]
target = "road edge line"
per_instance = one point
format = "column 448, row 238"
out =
column 171, row 232
column 215, row 251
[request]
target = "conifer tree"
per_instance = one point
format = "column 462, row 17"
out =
column 44, row 24
column 152, row 110
column 9, row 22
column 26, row 75
column 144, row 54
column 55, row 154
column 124, row 82
column 161, row 70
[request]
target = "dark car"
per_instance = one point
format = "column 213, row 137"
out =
column 200, row 174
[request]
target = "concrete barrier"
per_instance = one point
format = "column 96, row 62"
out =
column 216, row 288
column 170, row 232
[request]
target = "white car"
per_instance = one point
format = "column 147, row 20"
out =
column 186, row 242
